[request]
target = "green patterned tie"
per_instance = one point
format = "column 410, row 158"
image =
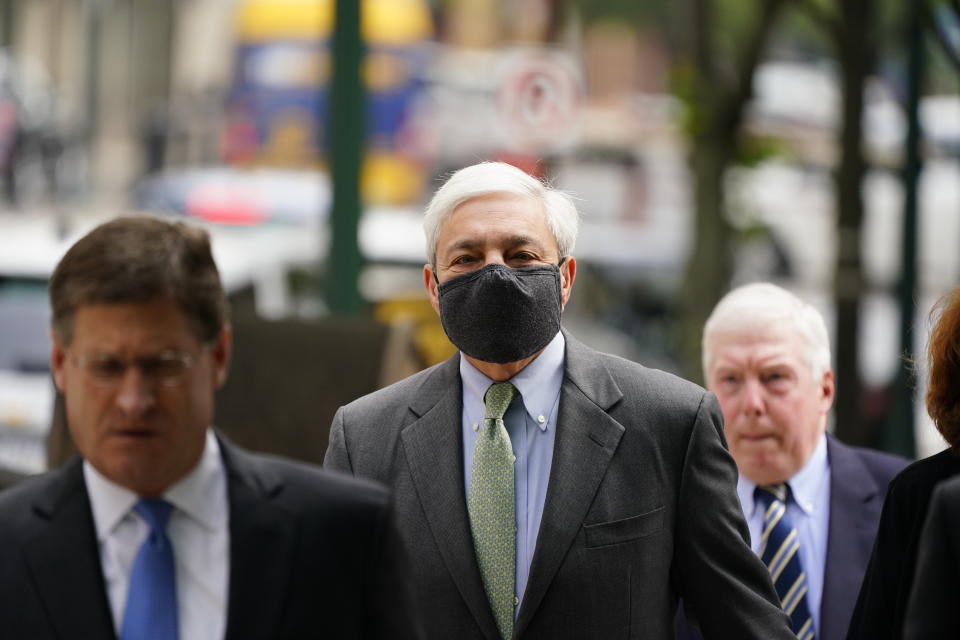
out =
column 492, row 508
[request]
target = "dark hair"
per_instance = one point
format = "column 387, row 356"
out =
column 138, row 259
column 943, row 355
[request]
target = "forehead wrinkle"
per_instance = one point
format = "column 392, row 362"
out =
column 764, row 349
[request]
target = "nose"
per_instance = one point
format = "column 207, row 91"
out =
column 135, row 394
column 494, row 256
column 753, row 398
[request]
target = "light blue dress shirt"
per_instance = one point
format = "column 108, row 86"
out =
column 531, row 425
column 809, row 510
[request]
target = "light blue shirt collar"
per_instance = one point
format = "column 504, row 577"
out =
column 805, row 483
column 538, row 383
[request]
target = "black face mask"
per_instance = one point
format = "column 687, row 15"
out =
column 499, row 314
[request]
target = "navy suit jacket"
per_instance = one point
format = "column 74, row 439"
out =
column 858, row 482
column 312, row 554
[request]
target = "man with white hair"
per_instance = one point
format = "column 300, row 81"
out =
column 811, row 502
column 546, row 490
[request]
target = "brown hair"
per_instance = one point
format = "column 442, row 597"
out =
column 138, row 259
column 943, row 354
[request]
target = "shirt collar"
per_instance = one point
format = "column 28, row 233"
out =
column 196, row 494
column 200, row 493
column 538, row 383
column 109, row 501
column 803, row 484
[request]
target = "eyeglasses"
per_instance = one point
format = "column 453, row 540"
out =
column 166, row 368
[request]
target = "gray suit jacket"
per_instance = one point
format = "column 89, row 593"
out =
column 641, row 507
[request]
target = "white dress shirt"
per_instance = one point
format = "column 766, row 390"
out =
column 198, row 530
column 809, row 511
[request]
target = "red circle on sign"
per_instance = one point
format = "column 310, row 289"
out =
column 538, row 102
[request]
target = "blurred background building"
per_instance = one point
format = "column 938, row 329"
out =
column 708, row 142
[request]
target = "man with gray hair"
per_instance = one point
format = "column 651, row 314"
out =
column 811, row 502
column 544, row 489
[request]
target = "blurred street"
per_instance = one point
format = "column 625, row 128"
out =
column 224, row 112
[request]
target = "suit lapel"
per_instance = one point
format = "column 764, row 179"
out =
column 587, row 438
column 64, row 560
column 261, row 547
column 432, row 444
column 850, row 536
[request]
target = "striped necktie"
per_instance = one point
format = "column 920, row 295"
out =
column 779, row 550
column 492, row 508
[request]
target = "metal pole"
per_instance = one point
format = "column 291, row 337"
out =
column 6, row 23
column 94, row 32
column 346, row 127
column 898, row 435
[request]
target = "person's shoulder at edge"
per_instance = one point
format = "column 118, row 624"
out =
column 948, row 490
column 922, row 475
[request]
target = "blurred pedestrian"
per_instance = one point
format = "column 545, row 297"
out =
column 164, row 529
column 882, row 604
column 812, row 503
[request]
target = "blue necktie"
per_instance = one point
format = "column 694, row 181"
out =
column 151, row 612
column 779, row 550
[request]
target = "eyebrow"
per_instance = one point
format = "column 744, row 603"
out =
column 512, row 242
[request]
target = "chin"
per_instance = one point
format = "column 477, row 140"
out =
column 762, row 472
column 768, row 477
column 137, row 475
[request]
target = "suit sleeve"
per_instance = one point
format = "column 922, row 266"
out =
column 393, row 612
column 931, row 612
column 725, row 587
column 337, row 456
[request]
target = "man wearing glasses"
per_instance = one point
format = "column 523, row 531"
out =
column 164, row 530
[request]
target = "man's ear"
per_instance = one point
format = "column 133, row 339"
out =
column 58, row 361
column 431, row 285
column 221, row 352
column 828, row 389
column 568, row 273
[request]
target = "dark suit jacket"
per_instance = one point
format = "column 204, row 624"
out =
column 858, row 481
column 882, row 603
column 641, row 507
column 312, row 554
column 932, row 609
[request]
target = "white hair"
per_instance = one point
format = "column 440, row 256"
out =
column 763, row 304
column 497, row 177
